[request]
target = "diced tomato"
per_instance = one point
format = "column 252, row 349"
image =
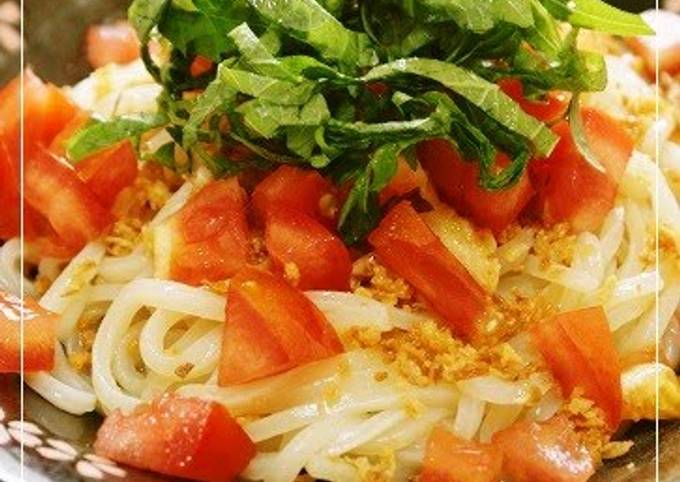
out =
column 271, row 327
column 46, row 111
column 180, row 437
column 111, row 43
column 39, row 335
column 548, row 452
column 458, row 183
column 579, row 350
column 407, row 180
column 295, row 188
column 449, row 458
column 666, row 24
column 108, row 172
column 200, row 66
column 9, row 192
column 407, row 246
column 319, row 257
column 550, row 109
column 53, row 189
column 209, row 236
column 574, row 191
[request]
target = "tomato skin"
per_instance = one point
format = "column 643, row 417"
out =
column 39, row 335
column 549, row 110
column 457, row 181
column 179, row 437
column 200, row 65
column 271, row 327
column 9, row 193
column 548, row 452
column 211, row 234
column 53, row 189
column 321, row 258
column 449, row 458
column 407, row 180
column 295, row 188
column 407, row 246
column 113, row 43
column 579, row 349
column 108, row 172
column 573, row 191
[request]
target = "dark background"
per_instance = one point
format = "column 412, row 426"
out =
column 54, row 32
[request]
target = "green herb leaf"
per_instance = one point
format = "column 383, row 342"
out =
column 144, row 15
column 578, row 132
column 598, row 15
column 486, row 95
column 98, row 135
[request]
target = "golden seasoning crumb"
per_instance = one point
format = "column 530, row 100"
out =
column 81, row 361
column 183, row 370
column 414, row 408
column 123, row 237
column 612, row 450
column 505, row 317
column 589, row 423
column 257, row 250
column 328, row 206
column 332, row 394
column 554, row 245
column 41, row 285
column 509, row 233
column 374, row 468
column 373, row 280
column 150, row 191
column 82, row 275
column 220, row 287
column 427, row 354
column 86, row 328
column 648, row 254
column 380, row 376
column 291, row 273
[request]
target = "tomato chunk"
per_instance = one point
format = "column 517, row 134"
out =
column 407, row 246
column 457, row 181
column 39, row 335
column 111, row 43
column 180, row 437
column 407, row 180
column 58, row 144
column 573, row 190
column 319, row 258
column 579, row 350
column 208, row 238
column 548, row 451
column 200, row 65
column 271, row 327
column 9, row 192
column 108, row 172
column 550, row 109
column 449, row 458
column 53, row 189
column 298, row 189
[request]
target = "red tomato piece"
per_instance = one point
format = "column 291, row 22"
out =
column 58, row 146
column 200, row 65
column 573, row 190
column 449, row 458
column 551, row 109
column 578, row 347
column 53, row 189
column 9, row 193
column 271, row 327
column 181, row 437
column 548, row 452
column 457, row 181
column 407, row 180
column 111, row 43
column 39, row 335
column 295, row 188
column 319, row 256
column 210, row 235
column 108, row 172
column 407, row 246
